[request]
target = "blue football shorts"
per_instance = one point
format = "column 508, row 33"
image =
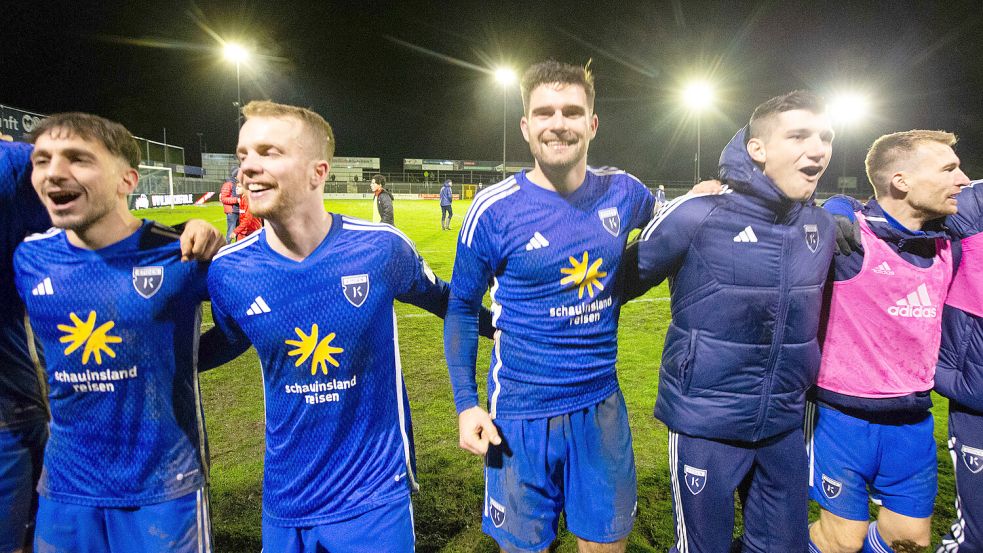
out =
column 21, row 455
column 853, row 459
column 384, row 529
column 180, row 525
column 580, row 463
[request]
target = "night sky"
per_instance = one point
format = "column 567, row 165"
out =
column 401, row 79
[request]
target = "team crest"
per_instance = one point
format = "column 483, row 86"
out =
column 972, row 458
column 812, row 237
column 611, row 220
column 356, row 288
column 831, row 488
column 147, row 280
column 696, row 479
column 497, row 512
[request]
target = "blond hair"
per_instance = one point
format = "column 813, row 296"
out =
column 888, row 150
column 318, row 128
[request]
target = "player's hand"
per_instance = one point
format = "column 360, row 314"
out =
column 200, row 241
column 477, row 430
column 708, row 187
column 847, row 235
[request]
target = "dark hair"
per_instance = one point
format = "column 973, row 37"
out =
column 87, row 126
column 552, row 71
column 380, row 180
column 797, row 99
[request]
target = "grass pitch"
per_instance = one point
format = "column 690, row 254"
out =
column 448, row 507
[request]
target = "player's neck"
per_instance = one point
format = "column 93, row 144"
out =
column 902, row 212
column 564, row 182
column 113, row 227
column 297, row 236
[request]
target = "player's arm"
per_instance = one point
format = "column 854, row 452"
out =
column 472, row 273
column 223, row 342
column 969, row 220
column 843, row 209
column 662, row 245
column 962, row 345
column 385, row 207
column 199, row 240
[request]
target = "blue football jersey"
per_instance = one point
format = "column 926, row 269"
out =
column 552, row 265
column 120, row 328
column 21, row 214
column 338, row 435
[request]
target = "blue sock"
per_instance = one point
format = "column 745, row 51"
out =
column 874, row 542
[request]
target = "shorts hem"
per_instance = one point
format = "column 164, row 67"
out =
column 509, row 546
column 608, row 538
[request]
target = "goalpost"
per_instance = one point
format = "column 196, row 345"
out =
column 151, row 182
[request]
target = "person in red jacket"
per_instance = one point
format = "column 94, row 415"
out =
column 248, row 223
column 230, row 203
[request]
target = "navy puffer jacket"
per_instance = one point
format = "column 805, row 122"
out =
column 746, row 272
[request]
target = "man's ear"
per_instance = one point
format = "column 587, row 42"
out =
column 756, row 149
column 898, row 180
column 129, row 177
column 524, row 125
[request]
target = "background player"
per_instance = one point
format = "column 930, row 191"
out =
column 747, row 271
column 873, row 433
column 550, row 243
column 125, row 467
column 446, row 205
column 313, row 292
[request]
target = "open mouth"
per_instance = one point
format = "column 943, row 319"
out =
column 812, row 170
column 62, row 197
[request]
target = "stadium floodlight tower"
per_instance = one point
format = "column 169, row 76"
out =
column 236, row 53
column 847, row 109
column 698, row 97
column 505, row 77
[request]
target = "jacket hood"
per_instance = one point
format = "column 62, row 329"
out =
column 886, row 231
column 742, row 174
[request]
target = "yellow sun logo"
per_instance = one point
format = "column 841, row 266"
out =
column 95, row 340
column 584, row 275
column 308, row 345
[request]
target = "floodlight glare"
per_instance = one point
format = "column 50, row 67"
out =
column 848, row 108
column 235, row 52
column 505, row 75
column 698, row 95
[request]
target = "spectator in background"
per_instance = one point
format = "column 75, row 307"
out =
column 446, row 210
column 660, row 197
column 230, row 202
column 248, row 223
column 382, row 204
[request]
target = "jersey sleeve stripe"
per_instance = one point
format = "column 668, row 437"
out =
column 232, row 248
column 378, row 227
column 667, row 210
column 481, row 198
column 53, row 231
column 467, row 233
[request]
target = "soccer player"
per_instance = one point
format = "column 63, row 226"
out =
column 873, row 429
column 746, row 270
column 313, row 292
column 960, row 370
column 125, row 467
column 446, row 205
column 549, row 242
column 23, row 411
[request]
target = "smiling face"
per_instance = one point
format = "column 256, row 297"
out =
column 931, row 178
column 280, row 169
column 794, row 151
column 79, row 181
column 559, row 126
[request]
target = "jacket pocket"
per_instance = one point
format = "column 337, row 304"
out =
column 686, row 367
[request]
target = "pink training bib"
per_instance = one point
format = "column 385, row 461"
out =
column 966, row 291
column 885, row 324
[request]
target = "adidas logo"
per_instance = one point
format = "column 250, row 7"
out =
column 43, row 289
column 258, row 307
column 746, row 235
column 917, row 304
column 537, row 241
column 883, row 269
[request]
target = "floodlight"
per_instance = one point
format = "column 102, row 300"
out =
column 235, row 52
column 848, row 108
column 698, row 95
column 505, row 76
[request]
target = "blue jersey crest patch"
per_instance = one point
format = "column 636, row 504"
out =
column 356, row 288
column 148, row 280
column 812, row 237
column 611, row 220
column 497, row 512
column 696, row 479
